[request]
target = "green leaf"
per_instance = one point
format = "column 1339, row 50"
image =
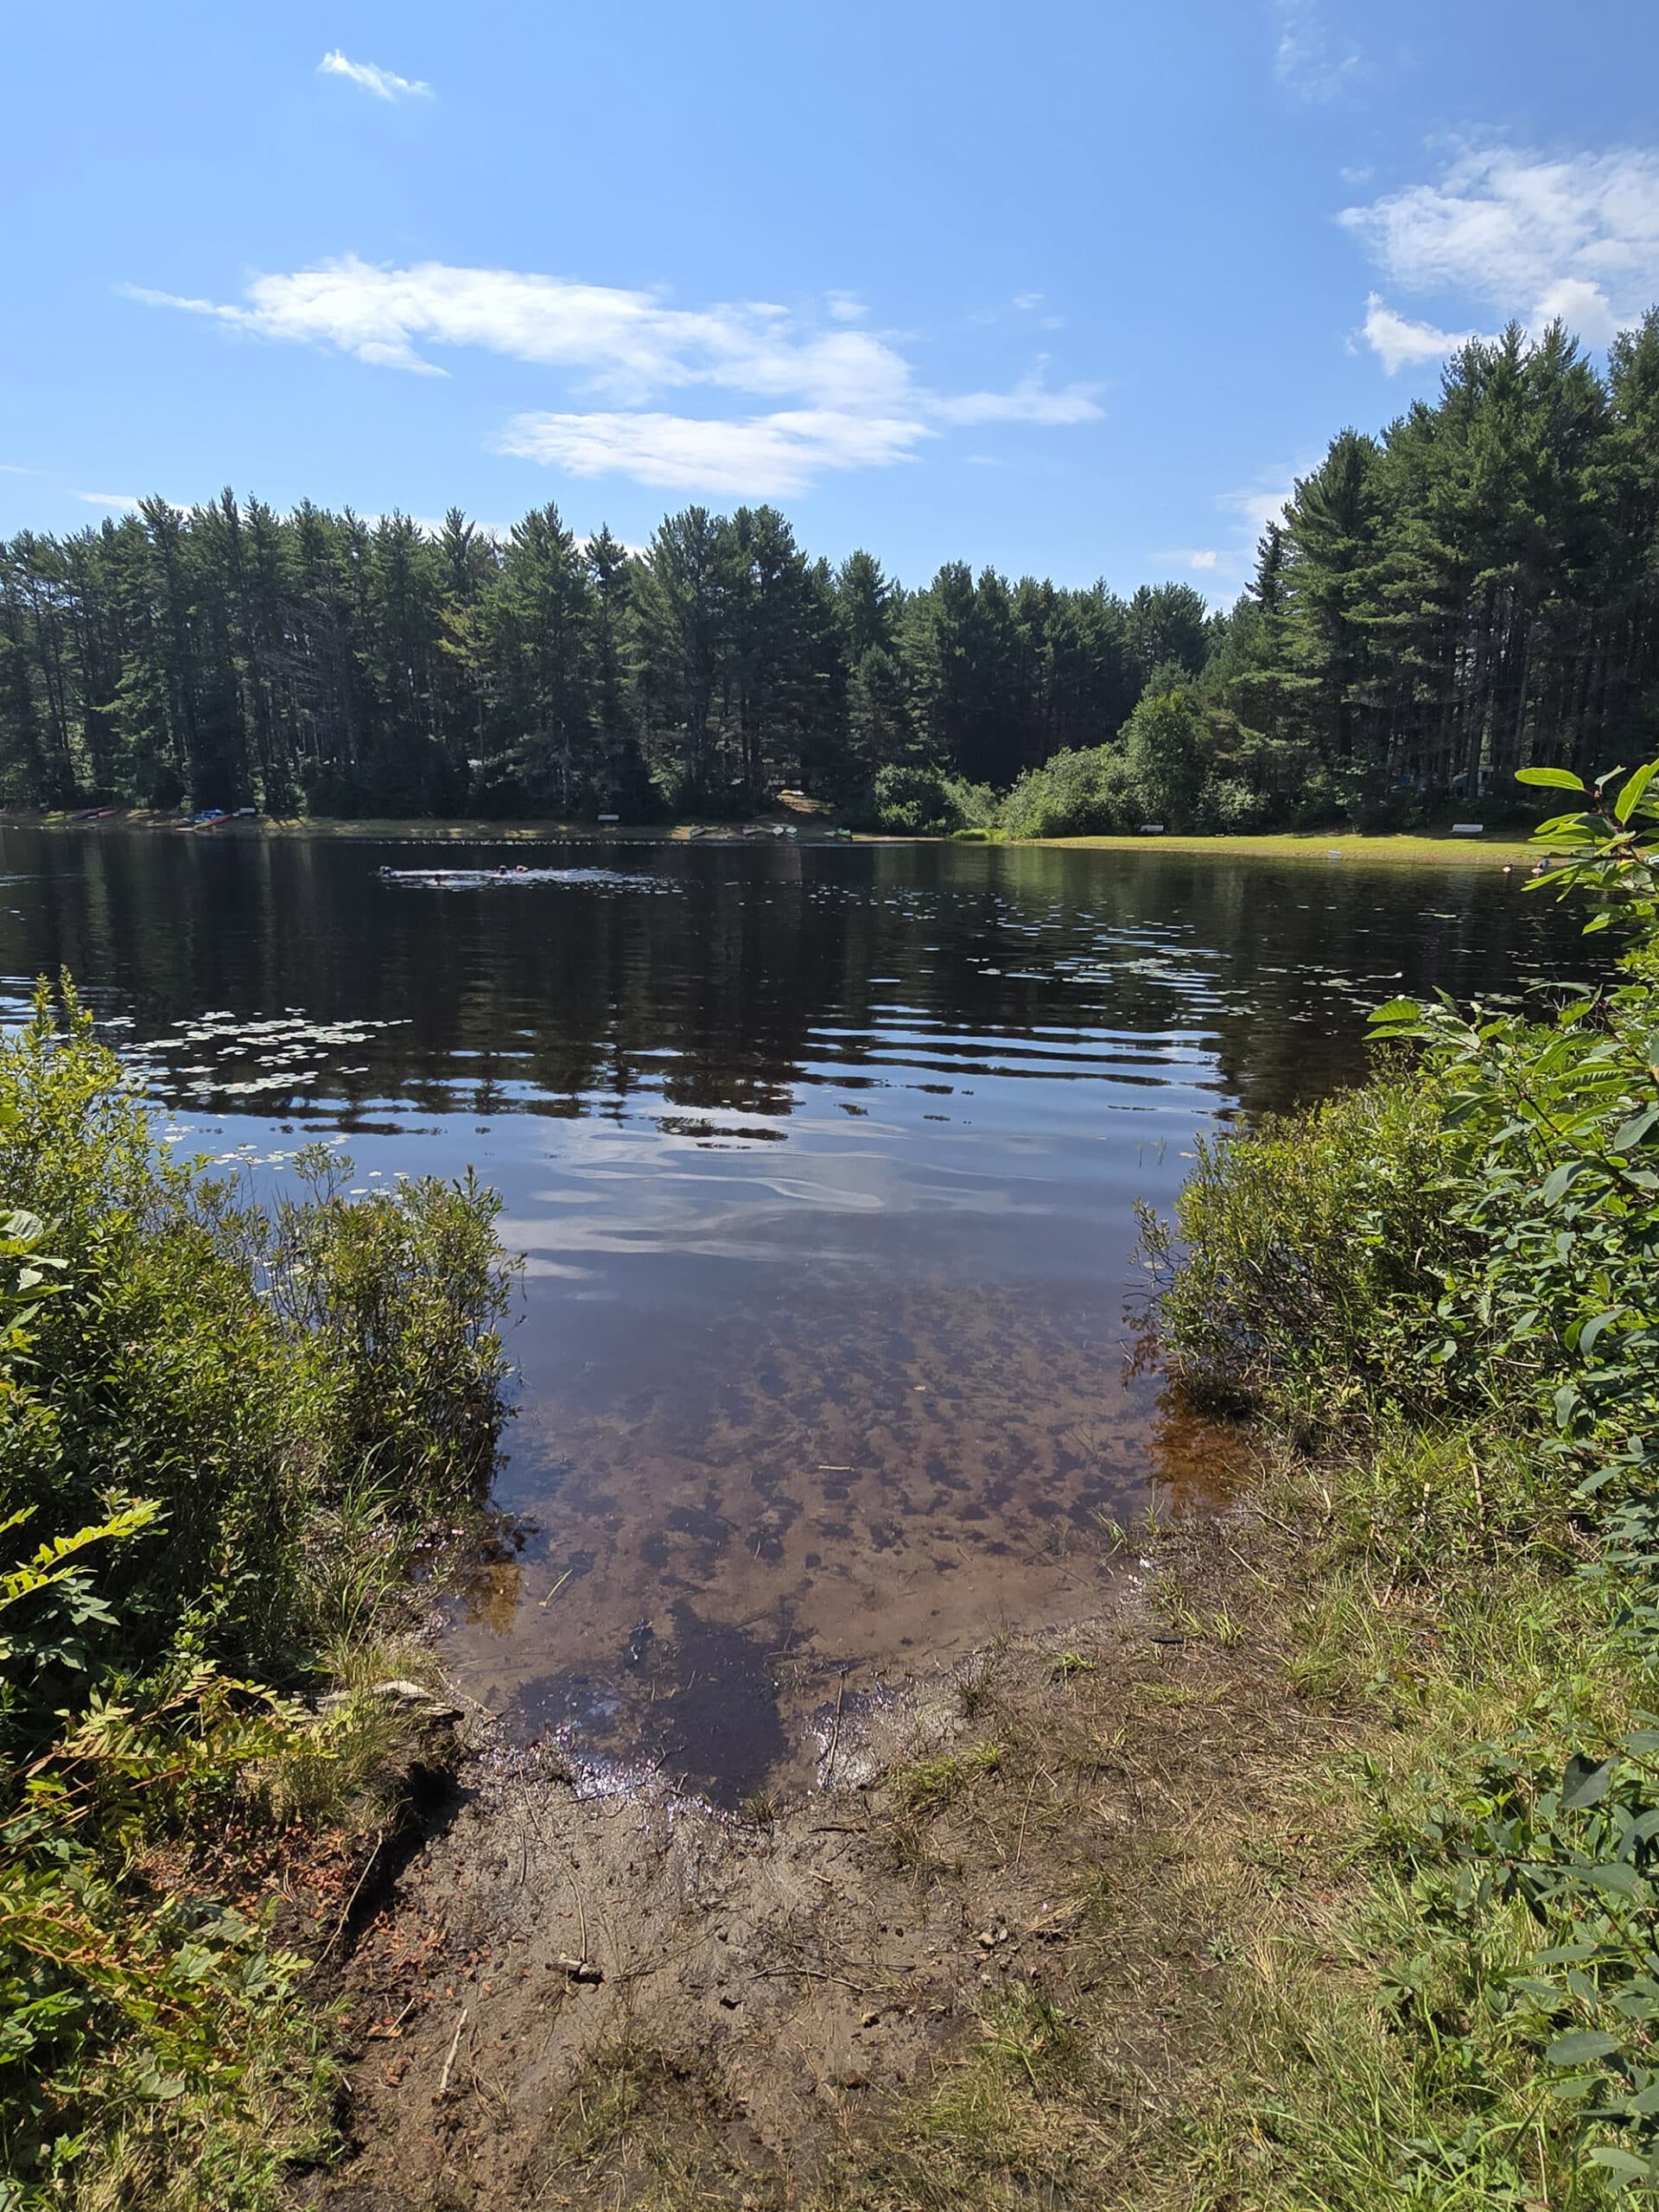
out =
column 1635, row 783
column 1596, row 1327
column 1622, row 2164
column 1586, row 1782
column 1618, row 1881
column 1631, row 1133
column 1559, row 1181
column 1584, row 2045
column 1561, row 779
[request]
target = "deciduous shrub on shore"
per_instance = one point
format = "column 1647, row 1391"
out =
column 224, row 1428
column 1444, row 1290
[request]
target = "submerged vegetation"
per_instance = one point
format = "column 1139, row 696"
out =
column 1469, row 594
column 224, row 1429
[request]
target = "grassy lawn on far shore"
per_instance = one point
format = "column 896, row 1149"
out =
column 1497, row 848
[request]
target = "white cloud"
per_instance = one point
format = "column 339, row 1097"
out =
column 109, row 498
column 1027, row 300
column 846, row 307
column 1531, row 235
column 1031, row 401
column 1221, row 572
column 850, row 398
column 383, row 84
column 1400, row 343
column 763, row 457
column 632, row 343
column 1306, row 60
column 1257, row 505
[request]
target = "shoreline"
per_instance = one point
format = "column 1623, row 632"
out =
column 840, row 1985
column 1389, row 849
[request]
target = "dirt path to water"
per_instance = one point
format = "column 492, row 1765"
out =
column 978, row 1950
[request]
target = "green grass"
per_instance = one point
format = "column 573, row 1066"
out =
column 1495, row 849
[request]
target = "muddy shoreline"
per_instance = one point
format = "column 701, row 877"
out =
column 786, row 1968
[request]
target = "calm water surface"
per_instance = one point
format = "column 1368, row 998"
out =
column 822, row 1160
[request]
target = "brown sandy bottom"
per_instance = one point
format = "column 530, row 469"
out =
column 798, row 1512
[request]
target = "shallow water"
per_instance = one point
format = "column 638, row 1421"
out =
column 822, row 1160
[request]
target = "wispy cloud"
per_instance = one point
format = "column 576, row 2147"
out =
column 1221, row 572
column 369, row 77
column 762, row 457
column 1400, row 343
column 843, row 398
column 1308, row 61
column 1205, row 561
column 108, row 499
column 1030, row 401
column 1532, row 236
column 1258, row 504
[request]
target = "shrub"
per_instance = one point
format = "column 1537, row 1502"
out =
column 926, row 803
column 1087, row 793
column 1230, row 807
column 235, row 1368
column 196, row 1398
column 1484, row 1238
column 1310, row 1252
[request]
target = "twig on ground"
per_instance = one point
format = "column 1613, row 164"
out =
column 1020, row 1847
column 835, row 1733
column 455, row 2045
column 357, row 1890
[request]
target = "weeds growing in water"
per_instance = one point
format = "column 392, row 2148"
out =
column 221, row 1429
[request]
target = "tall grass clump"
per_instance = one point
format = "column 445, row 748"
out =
column 222, row 1429
column 1443, row 1291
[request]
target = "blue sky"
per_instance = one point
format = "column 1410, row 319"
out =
column 1071, row 288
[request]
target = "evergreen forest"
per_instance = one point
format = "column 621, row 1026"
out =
column 1474, row 591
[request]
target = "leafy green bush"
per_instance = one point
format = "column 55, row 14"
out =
column 926, row 803
column 1228, row 806
column 1482, row 1238
column 1087, row 793
column 1301, row 1269
column 221, row 1429
column 236, row 1367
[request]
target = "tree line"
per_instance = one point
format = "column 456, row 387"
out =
column 1473, row 591
column 320, row 662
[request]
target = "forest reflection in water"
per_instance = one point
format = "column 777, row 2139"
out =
column 822, row 1161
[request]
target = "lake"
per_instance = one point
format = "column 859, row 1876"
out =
column 822, row 1160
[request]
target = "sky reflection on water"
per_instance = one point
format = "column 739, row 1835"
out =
column 822, row 1161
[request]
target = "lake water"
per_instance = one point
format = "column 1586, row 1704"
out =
column 822, row 1160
